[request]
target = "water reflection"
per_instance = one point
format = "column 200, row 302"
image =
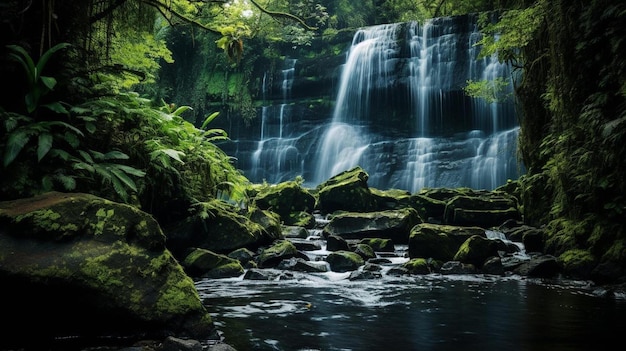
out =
column 411, row 313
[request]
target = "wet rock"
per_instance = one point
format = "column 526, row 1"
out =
column 378, row 244
column 224, row 230
column 364, row 251
column 306, row 245
column 542, row 266
column 300, row 265
column 177, row 344
column 289, row 200
column 493, row 266
column 477, row 249
column 97, row 261
column 364, row 275
column 291, row 231
column 346, row 191
column 344, row 261
column 456, row 267
column 392, row 224
column 205, row 263
column 417, row 266
column 336, row 243
column 440, row 242
column 278, row 251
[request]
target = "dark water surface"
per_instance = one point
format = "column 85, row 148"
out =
column 330, row 312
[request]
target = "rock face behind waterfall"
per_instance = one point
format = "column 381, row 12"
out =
column 391, row 101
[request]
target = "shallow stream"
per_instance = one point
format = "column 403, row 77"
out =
column 327, row 311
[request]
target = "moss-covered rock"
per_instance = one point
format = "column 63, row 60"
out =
column 577, row 263
column 347, row 191
column 379, row 244
column 344, row 261
column 392, row 224
column 221, row 228
column 417, row 266
column 477, row 249
column 484, row 209
column 440, row 242
column 287, row 199
column 364, row 251
column 429, row 208
column 205, row 263
column 96, row 260
column 391, row 199
column 278, row 251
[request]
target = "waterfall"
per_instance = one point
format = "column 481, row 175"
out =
column 276, row 157
column 399, row 112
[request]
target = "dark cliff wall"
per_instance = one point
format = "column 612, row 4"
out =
column 573, row 135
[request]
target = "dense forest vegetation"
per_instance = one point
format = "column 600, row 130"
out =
column 86, row 107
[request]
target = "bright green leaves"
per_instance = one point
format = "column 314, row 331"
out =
column 492, row 91
column 512, row 31
column 232, row 40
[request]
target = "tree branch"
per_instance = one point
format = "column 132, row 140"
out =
column 282, row 15
column 165, row 10
column 106, row 12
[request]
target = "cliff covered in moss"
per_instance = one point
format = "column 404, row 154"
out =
column 573, row 98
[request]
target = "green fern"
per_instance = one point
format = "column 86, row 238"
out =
column 97, row 165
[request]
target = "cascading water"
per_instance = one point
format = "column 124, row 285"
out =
column 400, row 112
column 274, row 152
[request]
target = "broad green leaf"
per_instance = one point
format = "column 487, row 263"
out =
column 44, row 145
column 85, row 156
column 57, row 107
column 180, row 110
column 69, row 183
column 175, row 154
column 119, row 188
column 43, row 60
column 71, row 139
column 25, row 59
column 131, row 170
column 49, row 82
column 123, row 177
column 15, row 143
column 209, row 118
column 116, row 155
column 83, row 166
column 97, row 155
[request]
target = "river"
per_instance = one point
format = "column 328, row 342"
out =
column 327, row 311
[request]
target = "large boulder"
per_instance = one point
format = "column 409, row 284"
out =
column 344, row 261
column 392, row 224
column 288, row 199
column 70, row 258
column 465, row 206
column 439, row 242
column 346, row 191
column 481, row 208
column 222, row 228
column 205, row 263
column 274, row 254
column 477, row 249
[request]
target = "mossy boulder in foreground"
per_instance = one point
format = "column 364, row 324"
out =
column 78, row 265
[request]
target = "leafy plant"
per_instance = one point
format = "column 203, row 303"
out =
column 22, row 129
column 94, row 164
column 38, row 84
column 492, row 91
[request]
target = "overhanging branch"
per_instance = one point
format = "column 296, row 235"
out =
column 282, row 15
